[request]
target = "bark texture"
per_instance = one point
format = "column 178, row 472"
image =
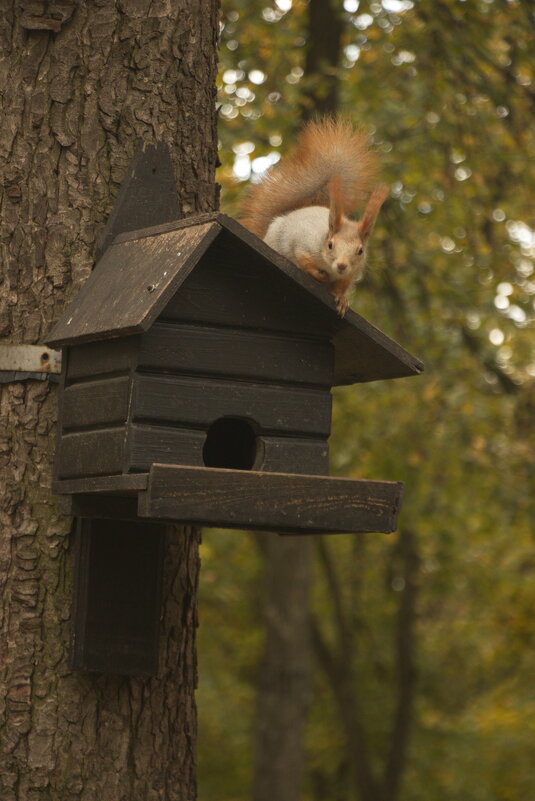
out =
column 81, row 81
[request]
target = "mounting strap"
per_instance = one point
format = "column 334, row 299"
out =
column 33, row 362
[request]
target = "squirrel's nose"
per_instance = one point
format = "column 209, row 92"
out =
column 341, row 268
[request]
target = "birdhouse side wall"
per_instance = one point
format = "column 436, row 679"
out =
column 94, row 407
column 152, row 398
column 192, row 375
column 238, row 342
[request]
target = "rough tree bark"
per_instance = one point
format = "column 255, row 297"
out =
column 80, row 81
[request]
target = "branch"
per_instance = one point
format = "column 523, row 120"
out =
column 339, row 677
column 345, row 636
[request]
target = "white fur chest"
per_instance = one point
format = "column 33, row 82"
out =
column 302, row 229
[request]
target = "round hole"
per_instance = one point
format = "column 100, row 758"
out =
column 231, row 443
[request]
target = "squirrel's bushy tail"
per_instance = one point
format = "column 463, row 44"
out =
column 325, row 149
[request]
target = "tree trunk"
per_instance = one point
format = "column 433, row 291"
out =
column 321, row 81
column 284, row 682
column 81, row 82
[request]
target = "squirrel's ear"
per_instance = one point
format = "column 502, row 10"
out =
column 336, row 205
column 373, row 206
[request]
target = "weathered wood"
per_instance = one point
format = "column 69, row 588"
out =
column 214, row 271
column 247, row 499
column 100, row 358
column 148, row 195
column 118, row 597
column 96, row 403
column 292, row 455
column 233, row 286
column 232, row 352
column 115, row 484
column 147, row 445
column 199, row 402
column 90, row 453
column 363, row 353
column 126, row 291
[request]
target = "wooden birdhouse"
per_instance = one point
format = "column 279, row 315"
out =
column 198, row 367
column 196, row 388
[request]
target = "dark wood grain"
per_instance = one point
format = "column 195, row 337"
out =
column 234, row 286
column 89, row 453
column 241, row 499
column 214, row 271
column 150, row 444
column 199, row 402
column 364, row 353
column 233, row 352
column 117, row 592
column 292, row 455
column 127, row 484
column 127, row 289
column 148, row 195
column 96, row 403
column 99, row 358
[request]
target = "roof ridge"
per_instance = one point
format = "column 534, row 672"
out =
column 164, row 228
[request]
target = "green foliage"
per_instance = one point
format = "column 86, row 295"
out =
column 448, row 90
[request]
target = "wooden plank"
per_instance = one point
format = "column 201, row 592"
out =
column 117, row 590
column 292, row 455
column 96, row 403
column 364, row 353
column 273, row 501
column 100, row 358
column 60, row 393
column 150, row 444
column 90, row 453
column 175, row 225
column 199, row 402
column 234, row 286
column 148, row 194
column 235, row 352
column 111, row 484
column 131, row 283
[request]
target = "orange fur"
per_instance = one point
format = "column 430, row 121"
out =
column 373, row 206
column 326, row 149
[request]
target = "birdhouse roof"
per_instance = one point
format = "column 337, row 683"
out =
column 142, row 270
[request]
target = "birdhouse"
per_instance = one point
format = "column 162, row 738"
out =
column 196, row 388
column 198, row 367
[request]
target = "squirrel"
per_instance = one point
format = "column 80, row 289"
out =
column 299, row 208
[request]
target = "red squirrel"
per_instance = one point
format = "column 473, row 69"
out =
column 300, row 206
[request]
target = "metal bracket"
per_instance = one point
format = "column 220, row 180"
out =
column 23, row 362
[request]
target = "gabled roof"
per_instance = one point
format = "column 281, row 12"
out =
column 142, row 270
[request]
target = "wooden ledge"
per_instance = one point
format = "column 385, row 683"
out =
column 283, row 502
column 274, row 501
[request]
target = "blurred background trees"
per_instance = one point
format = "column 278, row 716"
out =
column 424, row 641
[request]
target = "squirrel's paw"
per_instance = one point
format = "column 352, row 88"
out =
column 342, row 305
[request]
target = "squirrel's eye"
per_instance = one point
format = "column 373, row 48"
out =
column 330, row 246
column 360, row 251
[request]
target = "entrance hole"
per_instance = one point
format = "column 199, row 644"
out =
column 231, row 443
